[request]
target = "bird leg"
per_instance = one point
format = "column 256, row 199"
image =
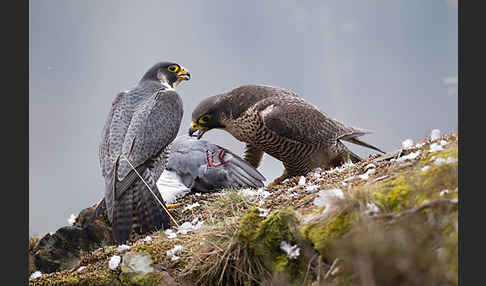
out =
column 253, row 155
column 171, row 208
column 280, row 179
column 210, row 160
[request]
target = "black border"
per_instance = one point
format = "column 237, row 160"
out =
column 15, row 143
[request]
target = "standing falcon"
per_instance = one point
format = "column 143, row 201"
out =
column 141, row 123
column 280, row 123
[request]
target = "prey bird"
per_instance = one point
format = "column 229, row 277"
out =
column 200, row 166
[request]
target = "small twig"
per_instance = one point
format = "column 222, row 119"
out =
column 431, row 204
column 333, row 265
column 308, row 268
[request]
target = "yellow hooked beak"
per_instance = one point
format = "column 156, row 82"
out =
column 196, row 130
column 183, row 74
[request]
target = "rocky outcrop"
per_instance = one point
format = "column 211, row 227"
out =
column 63, row 249
column 390, row 220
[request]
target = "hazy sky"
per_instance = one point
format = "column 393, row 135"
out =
column 387, row 66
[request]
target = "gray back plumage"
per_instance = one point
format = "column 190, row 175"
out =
column 141, row 123
column 205, row 167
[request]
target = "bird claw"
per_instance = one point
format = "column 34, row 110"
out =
column 171, row 208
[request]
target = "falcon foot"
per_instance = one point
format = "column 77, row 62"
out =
column 278, row 180
column 171, row 208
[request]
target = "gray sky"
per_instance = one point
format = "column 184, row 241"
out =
column 387, row 66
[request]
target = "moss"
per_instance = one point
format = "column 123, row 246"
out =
column 429, row 158
column 264, row 237
column 248, row 225
column 323, row 232
column 415, row 187
column 394, row 194
column 149, row 279
column 147, row 248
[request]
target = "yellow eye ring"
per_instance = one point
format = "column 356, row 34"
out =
column 173, row 68
column 204, row 119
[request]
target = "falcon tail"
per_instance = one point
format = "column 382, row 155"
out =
column 137, row 209
column 359, row 142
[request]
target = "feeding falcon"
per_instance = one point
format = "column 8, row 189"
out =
column 278, row 122
column 200, row 166
column 141, row 123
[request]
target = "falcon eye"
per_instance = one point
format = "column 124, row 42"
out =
column 205, row 119
column 173, row 68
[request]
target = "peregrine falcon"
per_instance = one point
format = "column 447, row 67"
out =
column 141, row 123
column 278, row 122
column 200, row 166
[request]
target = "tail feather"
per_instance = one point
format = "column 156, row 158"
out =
column 150, row 214
column 137, row 210
column 362, row 143
column 122, row 216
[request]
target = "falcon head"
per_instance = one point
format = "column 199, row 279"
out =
column 167, row 73
column 206, row 116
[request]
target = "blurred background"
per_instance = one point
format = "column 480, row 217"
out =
column 386, row 66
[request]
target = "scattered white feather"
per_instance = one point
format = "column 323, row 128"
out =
column 443, row 142
column 176, row 250
column 114, row 262
column 147, row 239
column 435, row 134
column 302, row 181
column 425, row 168
column 263, row 212
column 190, row 226
column 410, row 156
column 190, row 207
column 418, row 145
column 407, row 144
column 36, row 274
column 171, row 187
column 259, row 193
column 170, row 233
column 434, row 147
column 348, row 179
column 370, row 166
column 366, row 175
column 292, row 251
column 444, row 192
column 325, row 197
column 72, row 219
column 81, row 268
column 372, row 208
column 316, row 175
column 340, row 168
column 123, row 247
column 311, row 188
column 441, row 160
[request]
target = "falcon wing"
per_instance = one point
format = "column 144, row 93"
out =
column 154, row 125
column 296, row 119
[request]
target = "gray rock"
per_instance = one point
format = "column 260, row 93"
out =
column 137, row 262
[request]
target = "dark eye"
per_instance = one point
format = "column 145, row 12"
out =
column 205, row 119
column 173, row 68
